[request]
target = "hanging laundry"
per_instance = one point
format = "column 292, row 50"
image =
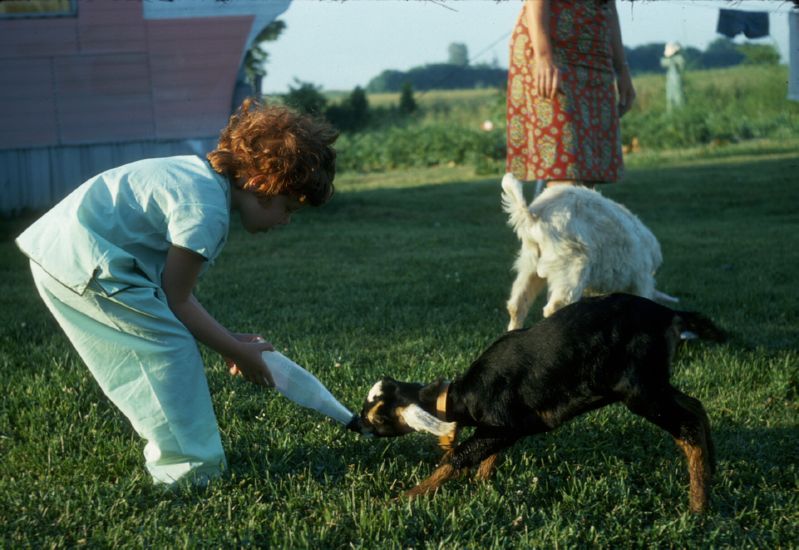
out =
column 754, row 24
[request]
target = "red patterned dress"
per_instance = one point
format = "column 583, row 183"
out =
column 574, row 136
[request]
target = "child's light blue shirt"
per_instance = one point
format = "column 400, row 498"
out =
column 118, row 226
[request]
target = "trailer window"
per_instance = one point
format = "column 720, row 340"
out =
column 38, row 8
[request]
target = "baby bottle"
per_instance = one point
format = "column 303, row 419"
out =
column 302, row 387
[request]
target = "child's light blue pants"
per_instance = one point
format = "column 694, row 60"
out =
column 148, row 365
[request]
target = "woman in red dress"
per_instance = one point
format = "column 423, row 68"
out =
column 568, row 84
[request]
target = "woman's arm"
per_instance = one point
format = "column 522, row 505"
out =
column 546, row 74
column 624, row 81
column 180, row 275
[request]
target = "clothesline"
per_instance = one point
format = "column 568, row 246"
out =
column 692, row 3
column 788, row 4
column 488, row 48
column 785, row 6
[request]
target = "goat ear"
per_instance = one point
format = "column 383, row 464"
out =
column 376, row 392
column 378, row 389
column 422, row 421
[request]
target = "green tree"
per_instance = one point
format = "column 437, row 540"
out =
column 722, row 52
column 306, row 98
column 458, row 54
column 352, row 114
column 645, row 58
column 387, row 81
column 439, row 76
column 693, row 57
column 359, row 105
column 256, row 57
column 759, row 54
column 407, row 104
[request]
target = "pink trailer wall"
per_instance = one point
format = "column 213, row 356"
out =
column 108, row 75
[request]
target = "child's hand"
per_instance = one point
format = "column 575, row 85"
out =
column 248, row 361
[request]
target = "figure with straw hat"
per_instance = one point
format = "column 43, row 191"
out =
column 674, row 63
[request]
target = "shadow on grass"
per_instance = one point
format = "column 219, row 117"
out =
column 754, row 466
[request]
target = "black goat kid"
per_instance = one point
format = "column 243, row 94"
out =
column 592, row 353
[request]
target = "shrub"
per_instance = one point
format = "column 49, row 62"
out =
column 407, row 103
column 421, row 145
column 306, row 98
column 723, row 105
column 352, row 114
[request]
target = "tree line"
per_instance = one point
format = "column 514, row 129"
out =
column 352, row 113
column 457, row 73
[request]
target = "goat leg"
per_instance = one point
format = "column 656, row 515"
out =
column 447, row 443
column 432, row 483
column 686, row 420
column 486, row 467
column 478, row 449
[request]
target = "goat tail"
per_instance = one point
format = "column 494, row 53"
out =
column 515, row 206
column 696, row 325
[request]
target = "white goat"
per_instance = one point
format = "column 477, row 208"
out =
column 577, row 243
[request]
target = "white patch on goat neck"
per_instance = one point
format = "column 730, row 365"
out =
column 376, row 392
column 422, row 421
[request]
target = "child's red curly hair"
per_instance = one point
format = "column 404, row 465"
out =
column 271, row 150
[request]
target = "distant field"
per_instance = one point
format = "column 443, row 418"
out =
column 405, row 273
column 430, row 97
column 724, row 106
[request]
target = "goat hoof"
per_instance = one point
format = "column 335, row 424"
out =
column 415, row 492
column 699, row 507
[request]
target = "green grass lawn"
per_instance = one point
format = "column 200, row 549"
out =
column 406, row 274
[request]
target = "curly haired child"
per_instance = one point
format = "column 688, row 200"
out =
column 116, row 262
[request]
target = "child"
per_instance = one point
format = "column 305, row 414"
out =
column 116, row 262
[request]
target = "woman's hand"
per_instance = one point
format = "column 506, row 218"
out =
column 546, row 76
column 624, row 84
column 248, row 361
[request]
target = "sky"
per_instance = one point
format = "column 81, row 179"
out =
column 340, row 44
